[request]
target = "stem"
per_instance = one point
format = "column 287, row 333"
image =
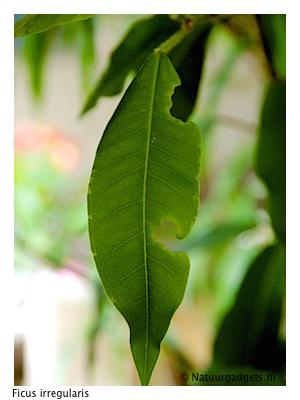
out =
column 172, row 42
column 187, row 26
column 188, row 23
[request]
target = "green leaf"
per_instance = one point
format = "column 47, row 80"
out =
column 249, row 332
column 273, row 29
column 87, row 52
column 36, row 49
column 35, row 23
column 146, row 171
column 217, row 236
column 188, row 59
column 144, row 36
column 271, row 157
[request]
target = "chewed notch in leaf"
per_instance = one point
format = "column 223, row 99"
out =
column 146, row 171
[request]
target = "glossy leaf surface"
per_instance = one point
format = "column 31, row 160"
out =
column 146, row 171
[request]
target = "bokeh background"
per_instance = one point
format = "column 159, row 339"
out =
column 66, row 329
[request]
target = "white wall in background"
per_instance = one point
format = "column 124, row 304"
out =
column 57, row 313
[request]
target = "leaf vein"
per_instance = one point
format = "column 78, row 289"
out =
column 119, row 246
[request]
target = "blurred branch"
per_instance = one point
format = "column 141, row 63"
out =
column 207, row 118
column 236, row 123
column 188, row 23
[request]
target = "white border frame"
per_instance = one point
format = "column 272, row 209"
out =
column 151, row 6
column 293, row 198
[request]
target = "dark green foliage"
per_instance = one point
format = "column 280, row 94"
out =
column 273, row 32
column 248, row 335
column 188, row 59
column 271, row 157
column 147, row 181
column 144, row 36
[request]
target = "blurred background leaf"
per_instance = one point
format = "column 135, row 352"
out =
column 249, row 333
column 36, row 48
column 273, row 32
column 188, row 59
column 35, row 23
column 144, row 35
column 234, row 48
column 271, row 152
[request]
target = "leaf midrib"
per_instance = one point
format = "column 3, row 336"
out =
column 144, row 211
